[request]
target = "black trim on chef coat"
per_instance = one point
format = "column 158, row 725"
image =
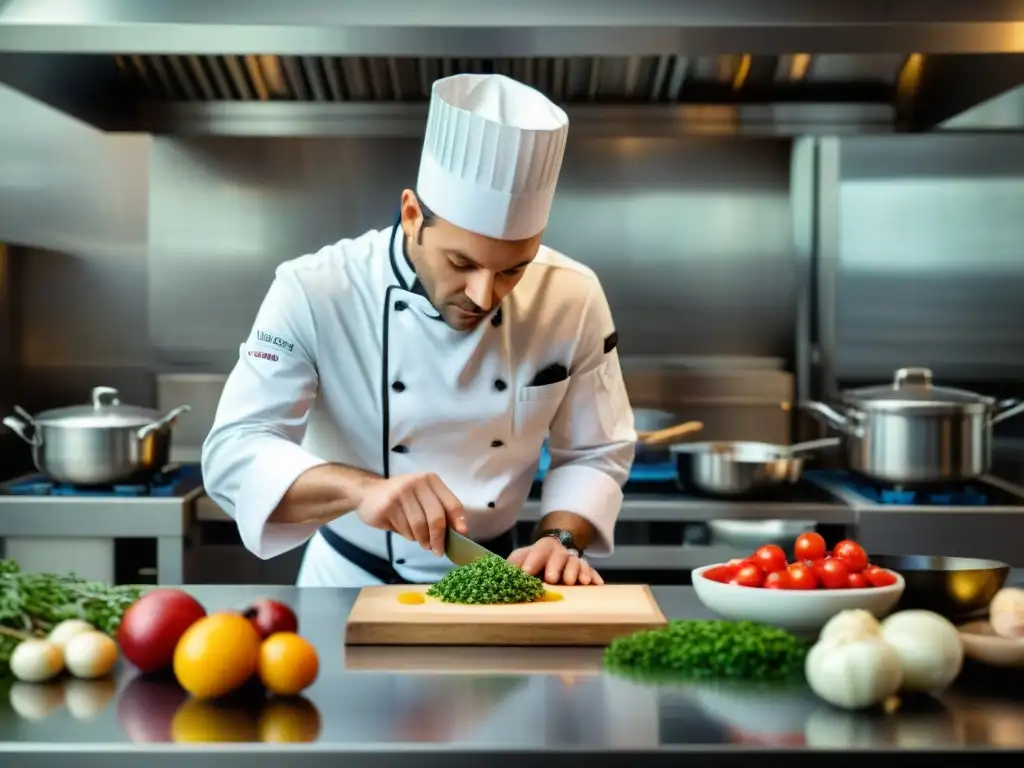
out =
column 378, row 567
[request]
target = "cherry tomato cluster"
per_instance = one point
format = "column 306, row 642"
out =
column 845, row 567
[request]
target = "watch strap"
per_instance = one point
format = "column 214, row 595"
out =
column 565, row 538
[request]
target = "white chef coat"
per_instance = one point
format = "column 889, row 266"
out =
column 348, row 362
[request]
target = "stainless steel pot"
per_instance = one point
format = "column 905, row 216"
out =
column 97, row 444
column 912, row 433
column 652, row 420
column 737, row 469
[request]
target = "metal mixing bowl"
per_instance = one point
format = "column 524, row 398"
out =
column 954, row 587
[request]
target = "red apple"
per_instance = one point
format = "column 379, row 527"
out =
column 270, row 616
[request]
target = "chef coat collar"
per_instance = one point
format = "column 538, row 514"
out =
column 403, row 270
column 405, row 274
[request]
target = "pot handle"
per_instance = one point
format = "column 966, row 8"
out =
column 163, row 422
column 1007, row 409
column 24, row 426
column 103, row 397
column 830, row 416
column 812, row 445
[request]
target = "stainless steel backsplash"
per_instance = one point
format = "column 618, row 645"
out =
column 692, row 239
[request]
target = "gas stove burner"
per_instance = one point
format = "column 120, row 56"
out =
column 162, row 484
column 966, row 495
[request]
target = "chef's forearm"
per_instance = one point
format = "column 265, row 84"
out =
column 582, row 531
column 322, row 494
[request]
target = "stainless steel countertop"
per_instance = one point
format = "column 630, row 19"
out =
column 408, row 706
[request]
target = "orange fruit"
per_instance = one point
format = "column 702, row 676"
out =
column 216, row 655
column 288, row 664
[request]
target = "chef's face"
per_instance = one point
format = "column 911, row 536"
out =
column 464, row 274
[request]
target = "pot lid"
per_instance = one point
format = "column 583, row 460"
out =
column 913, row 388
column 106, row 410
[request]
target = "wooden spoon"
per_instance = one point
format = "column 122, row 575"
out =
column 669, row 434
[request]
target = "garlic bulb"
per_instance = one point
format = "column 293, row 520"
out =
column 856, row 620
column 1006, row 613
column 929, row 649
column 852, row 670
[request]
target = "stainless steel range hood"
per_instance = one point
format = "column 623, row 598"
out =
column 645, row 67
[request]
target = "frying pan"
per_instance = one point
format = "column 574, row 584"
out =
column 741, row 469
column 655, row 430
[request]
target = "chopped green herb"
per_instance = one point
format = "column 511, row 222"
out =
column 487, row 581
column 709, row 650
column 33, row 603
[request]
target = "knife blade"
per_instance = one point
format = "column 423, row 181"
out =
column 462, row 551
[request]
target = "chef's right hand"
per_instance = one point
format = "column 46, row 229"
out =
column 419, row 507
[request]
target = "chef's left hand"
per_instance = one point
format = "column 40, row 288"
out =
column 554, row 563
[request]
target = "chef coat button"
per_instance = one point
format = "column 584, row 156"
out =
column 400, row 305
column 496, row 320
column 400, row 449
column 490, row 505
column 500, row 385
column 398, row 386
column 496, row 443
column 400, row 561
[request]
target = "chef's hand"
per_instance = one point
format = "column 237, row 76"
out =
column 419, row 507
column 551, row 561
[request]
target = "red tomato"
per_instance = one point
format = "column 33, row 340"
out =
column 853, row 554
column 833, row 574
column 720, row 573
column 809, row 546
column 749, row 575
column 801, row 577
column 777, row 580
column 771, row 558
column 738, row 562
column 879, row 577
column 857, row 581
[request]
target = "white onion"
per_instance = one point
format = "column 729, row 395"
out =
column 90, row 655
column 36, row 661
column 67, row 629
column 930, row 650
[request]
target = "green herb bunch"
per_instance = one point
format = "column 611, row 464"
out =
column 31, row 604
column 487, row 581
column 709, row 650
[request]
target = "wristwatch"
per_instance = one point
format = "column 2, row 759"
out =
column 564, row 538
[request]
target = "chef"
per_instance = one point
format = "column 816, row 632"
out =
column 404, row 381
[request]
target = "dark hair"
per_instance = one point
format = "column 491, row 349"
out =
column 428, row 219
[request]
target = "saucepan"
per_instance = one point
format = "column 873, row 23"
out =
column 102, row 443
column 911, row 432
column 741, row 469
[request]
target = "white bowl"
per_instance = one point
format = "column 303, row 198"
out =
column 795, row 610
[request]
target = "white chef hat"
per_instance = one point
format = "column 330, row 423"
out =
column 491, row 155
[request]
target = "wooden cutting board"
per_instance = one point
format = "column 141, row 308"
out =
column 585, row 616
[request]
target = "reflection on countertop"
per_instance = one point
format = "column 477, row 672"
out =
column 463, row 700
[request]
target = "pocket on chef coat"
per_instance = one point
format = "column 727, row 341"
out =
column 535, row 408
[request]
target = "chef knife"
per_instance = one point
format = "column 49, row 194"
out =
column 462, row 551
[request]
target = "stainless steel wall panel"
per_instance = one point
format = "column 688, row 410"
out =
column 692, row 238
column 931, row 270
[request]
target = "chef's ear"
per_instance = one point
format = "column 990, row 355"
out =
column 415, row 216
